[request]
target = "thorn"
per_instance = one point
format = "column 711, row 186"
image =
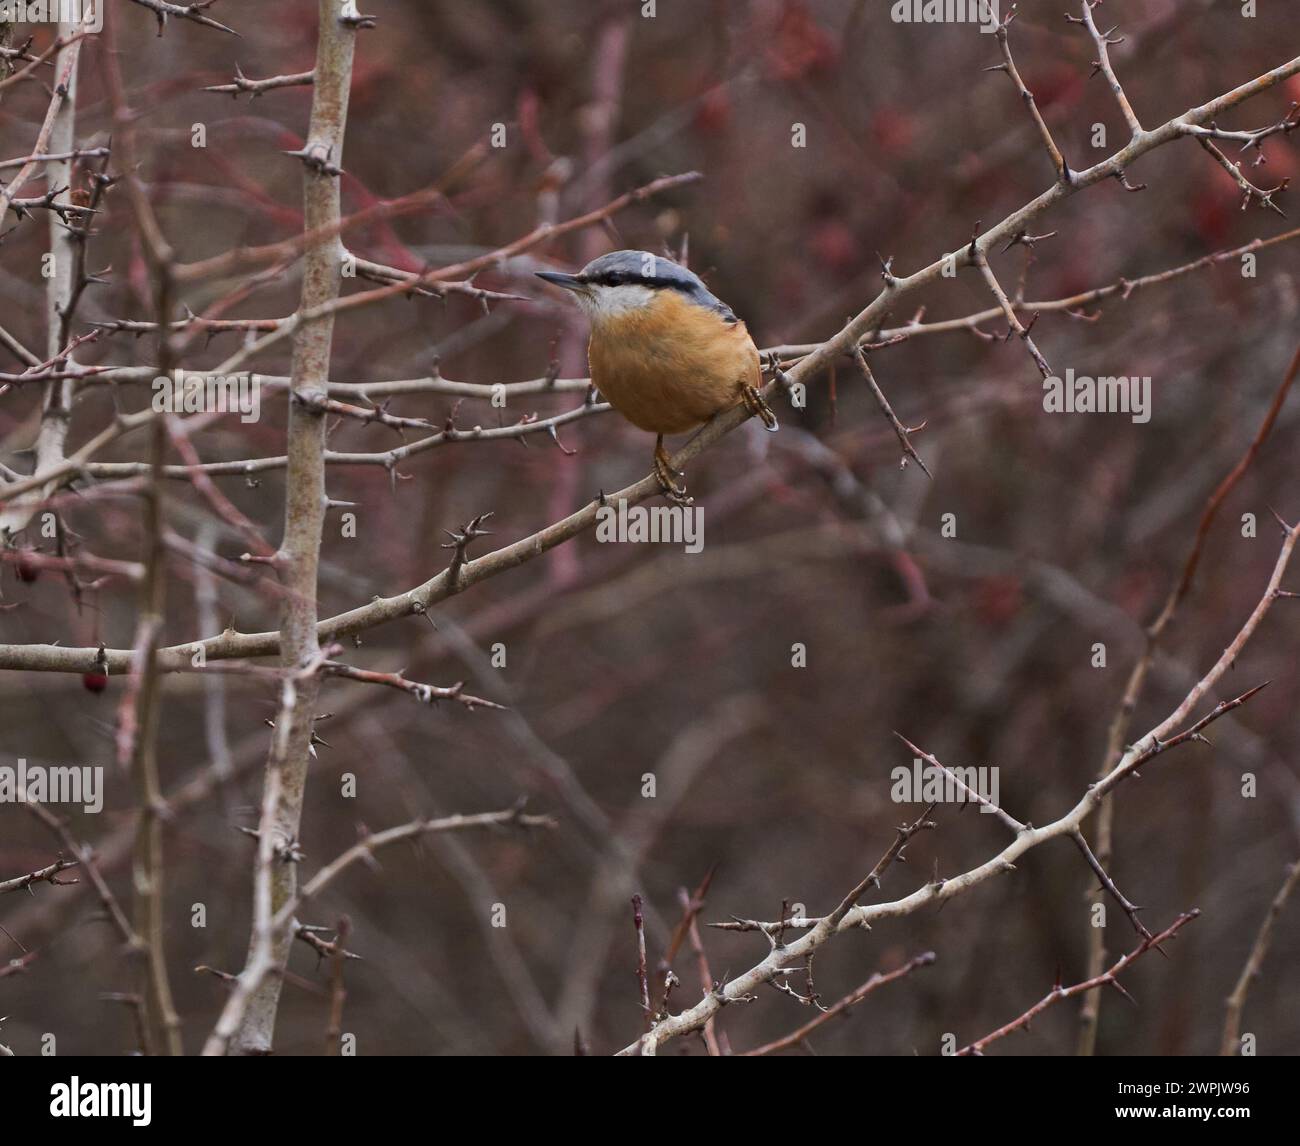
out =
column 1116, row 984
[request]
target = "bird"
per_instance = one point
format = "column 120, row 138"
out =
column 664, row 352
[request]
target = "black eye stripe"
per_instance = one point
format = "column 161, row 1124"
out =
column 692, row 289
column 621, row 278
column 630, row 278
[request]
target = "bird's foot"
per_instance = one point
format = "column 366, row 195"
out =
column 757, row 405
column 666, row 475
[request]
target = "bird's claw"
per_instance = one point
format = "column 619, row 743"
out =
column 666, row 475
column 757, row 405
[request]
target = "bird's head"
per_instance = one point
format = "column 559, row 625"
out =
column 623, row 281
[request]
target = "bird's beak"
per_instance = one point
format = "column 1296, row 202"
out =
column 560, row 279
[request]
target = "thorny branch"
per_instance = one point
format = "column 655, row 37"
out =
column 260, row 964
column 1137, row 678
column 1057, row 993
column 47, row 874
column 1231, row 1044
column 848, row 915
column 863, row 325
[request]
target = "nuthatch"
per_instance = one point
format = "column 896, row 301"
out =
column 664, row 352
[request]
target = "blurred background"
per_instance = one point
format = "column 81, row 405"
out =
column 628, row 660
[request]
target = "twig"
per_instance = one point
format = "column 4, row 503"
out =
column 1012, row 824
column 691, row 906
column 1057, row 993
column 338, row 993
column 1231, row 1044
column 363, row 849
column 852, row 999
column 1137, row 678
column 1009, row 311
column 255, row 88
column 192, row 12
column 898, row 427
column 893, row 854
column 48, row 874
column 1102, row 63
column 1248, row 189
column 1008, row 65
column 642, row 976
column 938, row 891
column 424, row 693
column 1108, row 884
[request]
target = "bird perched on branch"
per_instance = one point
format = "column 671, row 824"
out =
column 664, row 352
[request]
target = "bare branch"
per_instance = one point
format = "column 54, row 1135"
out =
column 798, row 1038
column 241, row 84
column 1057, row 993
column 48, row 874
column 848, row 915
column 1104, row 41
column 1059, row 166
column 192, row 12
column 902, row 431
column 364, row 849
column 1254, row 962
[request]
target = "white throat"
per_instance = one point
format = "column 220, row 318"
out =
column 603, row 302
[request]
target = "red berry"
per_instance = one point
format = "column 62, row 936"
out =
column 94, row 681
column 28, row 571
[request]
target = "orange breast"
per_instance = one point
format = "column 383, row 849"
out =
column 670, row 366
